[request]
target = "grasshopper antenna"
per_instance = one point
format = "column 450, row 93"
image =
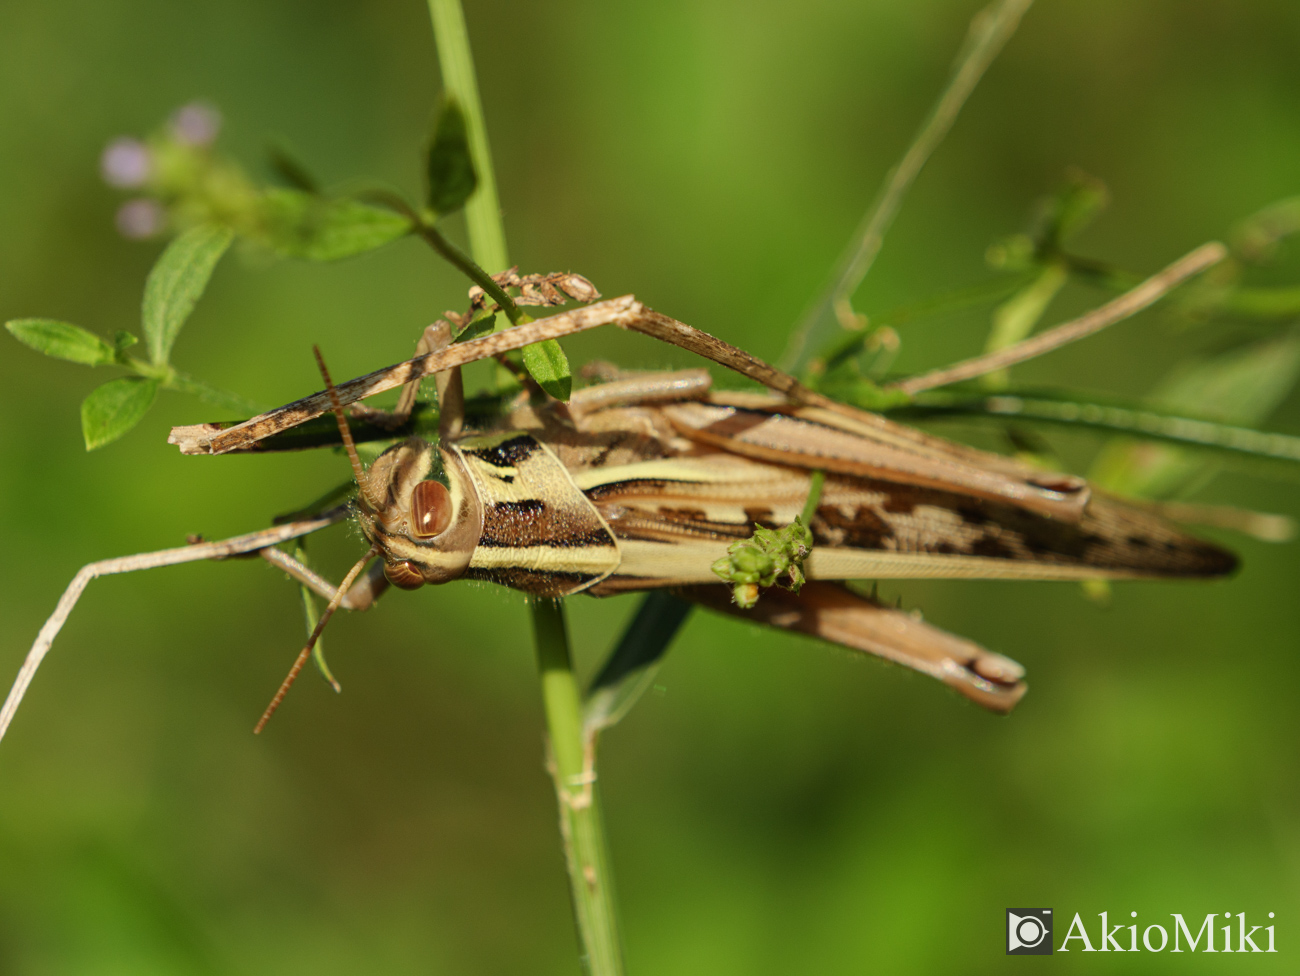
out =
column 315, row 636
column 358, row 472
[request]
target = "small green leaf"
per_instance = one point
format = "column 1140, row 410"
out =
column 1256, row 238
column 1278, row 302
column 450, row 167
column 300, row 225
column 122, row 341
column 479, row 327
column 547, row 364
column 861, row 392
column 1073, row 207
column 1015, row 318
column 311, row 613
column 62, row 340
column 114, row 408
column 288, row 167
column 176, row 282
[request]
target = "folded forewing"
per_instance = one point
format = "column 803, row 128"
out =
column 675, row 516
column 812, row 438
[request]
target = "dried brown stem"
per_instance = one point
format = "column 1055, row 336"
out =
column 204, row 439
column 625, row 312
column 1126, row 305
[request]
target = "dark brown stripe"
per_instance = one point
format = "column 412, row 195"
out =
column 508, row 454
column 532, row 522
column 551, row 584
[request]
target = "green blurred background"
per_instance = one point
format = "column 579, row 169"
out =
column 775, row 806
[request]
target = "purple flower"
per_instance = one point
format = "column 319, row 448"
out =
column 125, row 163
column 139, row 219
column 196, row 124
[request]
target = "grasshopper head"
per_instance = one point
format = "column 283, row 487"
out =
column 418, row 504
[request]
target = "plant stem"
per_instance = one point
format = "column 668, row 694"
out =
column 1134, row 421
column 1116, row 310
column 573, row 769
column 990, row 30
column 459, row 259
column 572, row 766
column 814, row 497
column 176, row 380
column 170, row 378
column 487, row 236
column 422, row 225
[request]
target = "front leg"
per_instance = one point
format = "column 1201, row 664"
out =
column 451, row 391
column 368, row 588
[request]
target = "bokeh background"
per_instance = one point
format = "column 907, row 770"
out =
column 774, row 806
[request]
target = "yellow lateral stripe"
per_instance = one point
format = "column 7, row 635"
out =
column 838, row 564
column 700, row 471
column 595, row 560
column 691, row 559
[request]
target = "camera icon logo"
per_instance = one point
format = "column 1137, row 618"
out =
column 1029, row 931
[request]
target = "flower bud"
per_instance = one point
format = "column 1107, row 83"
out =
column 139, row 219
column 196, row 124
column 125, row 163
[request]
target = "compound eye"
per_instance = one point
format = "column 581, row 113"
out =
column 404, row 575
column 430, row 509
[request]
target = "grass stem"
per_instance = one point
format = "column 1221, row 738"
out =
column 487, row 235
column 573, row 769
column 989, row 32
column 572, row 765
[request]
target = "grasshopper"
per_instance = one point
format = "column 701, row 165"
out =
column 645, row 481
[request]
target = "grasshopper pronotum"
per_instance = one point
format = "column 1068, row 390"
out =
column 644, row 482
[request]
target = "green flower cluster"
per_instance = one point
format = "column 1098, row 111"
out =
column 764, row 559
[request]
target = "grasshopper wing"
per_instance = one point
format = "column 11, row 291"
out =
column 675, row 516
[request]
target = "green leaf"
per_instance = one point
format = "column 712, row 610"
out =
column 547, row 364
column 479, row 327
column 288, row 167
column 1256, row 238
column 311, row 614
column 631, row 667
column 861, row 392
column 176, row 283
column 450, row 167
column 114, row 408
column 62, row 340
column 1073, row 207
column 1015, row 318
column 1280, row 302
column 1242, row 386
column 300, row 225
